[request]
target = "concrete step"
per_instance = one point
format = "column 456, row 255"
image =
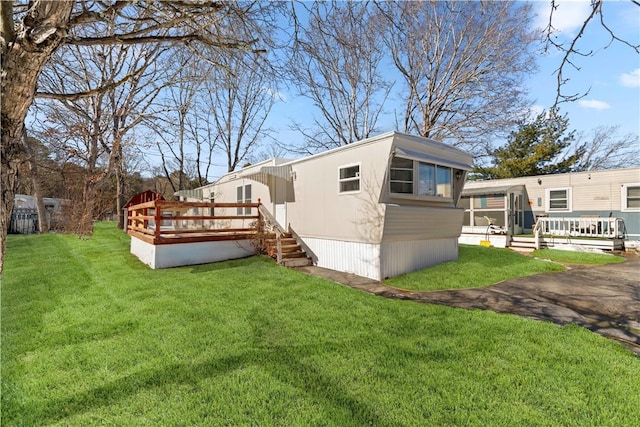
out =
column 296, row 262
column 523, row 245
column 521, row 250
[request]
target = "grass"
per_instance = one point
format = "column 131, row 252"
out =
column 92, row 336
column 477, row 266
column 574, row 257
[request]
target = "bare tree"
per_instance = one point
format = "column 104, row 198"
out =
column 572, row 49
column 31, row 32
column 124, row 106
column 463, row 65
column 174, row 119
column 238, row 97
column 605, row 148
column 336, row 64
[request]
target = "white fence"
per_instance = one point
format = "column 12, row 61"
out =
column 609, row 228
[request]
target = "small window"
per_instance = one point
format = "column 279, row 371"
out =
column 243, row 195
column 559, row 199
column 247, row 198
column 349, row 179
column 630, row 197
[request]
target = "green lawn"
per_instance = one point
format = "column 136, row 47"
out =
column 476, row 266
column 92, row 336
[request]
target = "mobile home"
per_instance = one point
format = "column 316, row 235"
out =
column 591, row 203
column 378, row 208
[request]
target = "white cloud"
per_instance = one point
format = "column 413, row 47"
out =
column 534, row 111
column 594, row 104
column 631, row 79
column 567, row 18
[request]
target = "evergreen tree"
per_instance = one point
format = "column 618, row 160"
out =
column 538, row 147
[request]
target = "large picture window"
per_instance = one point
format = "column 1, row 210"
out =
column 407, row 176
column 349, row 178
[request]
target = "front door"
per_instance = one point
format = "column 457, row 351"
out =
column 516, row 213
column 281, row 215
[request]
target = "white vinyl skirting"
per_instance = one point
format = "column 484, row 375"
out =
column 380, row 261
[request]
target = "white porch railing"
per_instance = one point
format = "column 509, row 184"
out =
column 609, row 228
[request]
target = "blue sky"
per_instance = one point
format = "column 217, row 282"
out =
column 611, row 75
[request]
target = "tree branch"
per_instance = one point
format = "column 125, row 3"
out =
column 571, row 50
column 86, row 94
column 125, row 39
column 7, row 34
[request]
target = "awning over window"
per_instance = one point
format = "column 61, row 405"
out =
column 265, row 172
column 191, row 194
column 424, row 157
column 502, row 189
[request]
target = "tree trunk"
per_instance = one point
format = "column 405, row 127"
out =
column 24, row 55
column 120, row 186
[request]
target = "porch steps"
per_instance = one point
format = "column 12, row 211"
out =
column 292, row 253
column 525, row 244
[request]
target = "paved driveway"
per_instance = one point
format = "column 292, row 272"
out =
column 604, row 299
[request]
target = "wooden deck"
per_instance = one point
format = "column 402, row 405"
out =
column 184, row 233
column 162, row 222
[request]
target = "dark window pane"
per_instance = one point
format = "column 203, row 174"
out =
column 402, row 187
column 350, row 172
column 353, row 185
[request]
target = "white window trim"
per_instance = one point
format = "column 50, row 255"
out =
column 423, row 197
column 243, row 211
column 623, row 197
column 355, row 178
column 547, row 203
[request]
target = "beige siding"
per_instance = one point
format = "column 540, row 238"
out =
column 417, row 223
column 321, row 211
column 590, row 191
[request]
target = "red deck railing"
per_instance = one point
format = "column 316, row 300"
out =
column 162, row 222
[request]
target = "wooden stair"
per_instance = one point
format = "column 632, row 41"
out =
column 292, row 253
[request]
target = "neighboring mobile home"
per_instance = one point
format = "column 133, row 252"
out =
column 378, row 208
column 24, row 217
column 594, row 198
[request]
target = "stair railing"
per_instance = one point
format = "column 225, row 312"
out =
column 272, row 224
column 537, row 231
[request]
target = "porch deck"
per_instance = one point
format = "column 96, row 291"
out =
column 591, row 232
column 162, row 222
column 171, row 234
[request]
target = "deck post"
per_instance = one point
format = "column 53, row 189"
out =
column 157, row 218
